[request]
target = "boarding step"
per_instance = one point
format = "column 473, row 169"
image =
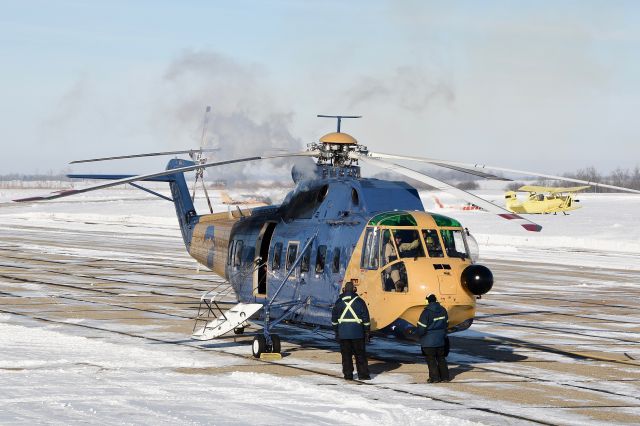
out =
column 227, row 321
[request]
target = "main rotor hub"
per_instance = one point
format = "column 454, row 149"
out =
column 334, row 149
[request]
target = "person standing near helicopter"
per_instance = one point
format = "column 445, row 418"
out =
column 432, row 330
column 351, row 323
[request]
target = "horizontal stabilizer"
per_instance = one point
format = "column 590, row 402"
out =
column 551, row 190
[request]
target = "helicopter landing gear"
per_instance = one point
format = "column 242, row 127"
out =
column 260, row 345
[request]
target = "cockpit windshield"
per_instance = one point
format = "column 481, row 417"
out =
column 408, row 243
column 454, row 243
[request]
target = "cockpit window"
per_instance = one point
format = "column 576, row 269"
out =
column 433, row 243
column 394, row 278
column 454, row 243
column 408, row 243
column 370, row 250
column 389, row 253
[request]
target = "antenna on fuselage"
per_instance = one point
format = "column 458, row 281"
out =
column 339, row 117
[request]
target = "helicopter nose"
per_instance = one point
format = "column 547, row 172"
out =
column 477, row 279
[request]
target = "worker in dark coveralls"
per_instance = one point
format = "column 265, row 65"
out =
column 350, row 320
column 432, row 330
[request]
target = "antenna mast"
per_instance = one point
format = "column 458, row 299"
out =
column 339, row 118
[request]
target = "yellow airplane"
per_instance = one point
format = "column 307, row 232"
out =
column 543, row 199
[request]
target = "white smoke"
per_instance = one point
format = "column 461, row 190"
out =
column 245, row 119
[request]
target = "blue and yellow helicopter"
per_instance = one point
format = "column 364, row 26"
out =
column 287, row 262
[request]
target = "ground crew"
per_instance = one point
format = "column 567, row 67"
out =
column 350, row 320
column 432, row 329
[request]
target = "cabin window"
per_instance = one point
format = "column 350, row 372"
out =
column 335, row 264
column 370, row 250
column 408, row 243
column 292, row 253
column 355, row 198
column 237, row 254
column 230, row 251
column 433, row 242
column 322, row 194
column 277, row 255
column 306, row 260
column 454, row 243
column 321, row 257
column 394, row 278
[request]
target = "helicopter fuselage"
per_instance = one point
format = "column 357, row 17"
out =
column 360, row 230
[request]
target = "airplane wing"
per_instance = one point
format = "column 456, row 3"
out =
column 551, row 189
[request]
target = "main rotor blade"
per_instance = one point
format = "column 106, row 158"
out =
column 67, row 193
column 443, row 186
column 149, row 154
column 449, row 164
column 438, row 163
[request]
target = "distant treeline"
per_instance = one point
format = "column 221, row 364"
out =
column 35, row 177
column 619, row 177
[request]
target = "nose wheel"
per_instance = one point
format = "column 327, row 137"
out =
column 260, row 346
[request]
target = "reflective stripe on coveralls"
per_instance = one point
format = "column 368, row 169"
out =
column 348, row 308
column 434, row 320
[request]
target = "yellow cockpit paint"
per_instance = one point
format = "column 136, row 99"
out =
column 426, row 275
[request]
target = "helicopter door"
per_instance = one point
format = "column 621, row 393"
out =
column 262, row 248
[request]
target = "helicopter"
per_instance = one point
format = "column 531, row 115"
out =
column 287, row 262
column 544, row 199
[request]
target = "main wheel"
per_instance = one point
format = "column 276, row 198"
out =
column 239, row 330
column 259, row 345
column 275, row 344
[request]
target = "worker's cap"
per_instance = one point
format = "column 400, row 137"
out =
column 349, row 287
column 432, row 298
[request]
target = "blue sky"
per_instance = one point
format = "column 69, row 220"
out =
column 550, row 86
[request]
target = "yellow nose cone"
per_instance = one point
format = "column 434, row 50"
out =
column 341, row 138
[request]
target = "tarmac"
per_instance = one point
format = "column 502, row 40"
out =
column 551, row 344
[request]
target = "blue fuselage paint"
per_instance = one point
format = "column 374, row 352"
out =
column 335, row 209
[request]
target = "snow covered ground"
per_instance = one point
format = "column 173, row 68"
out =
column 77, row 347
